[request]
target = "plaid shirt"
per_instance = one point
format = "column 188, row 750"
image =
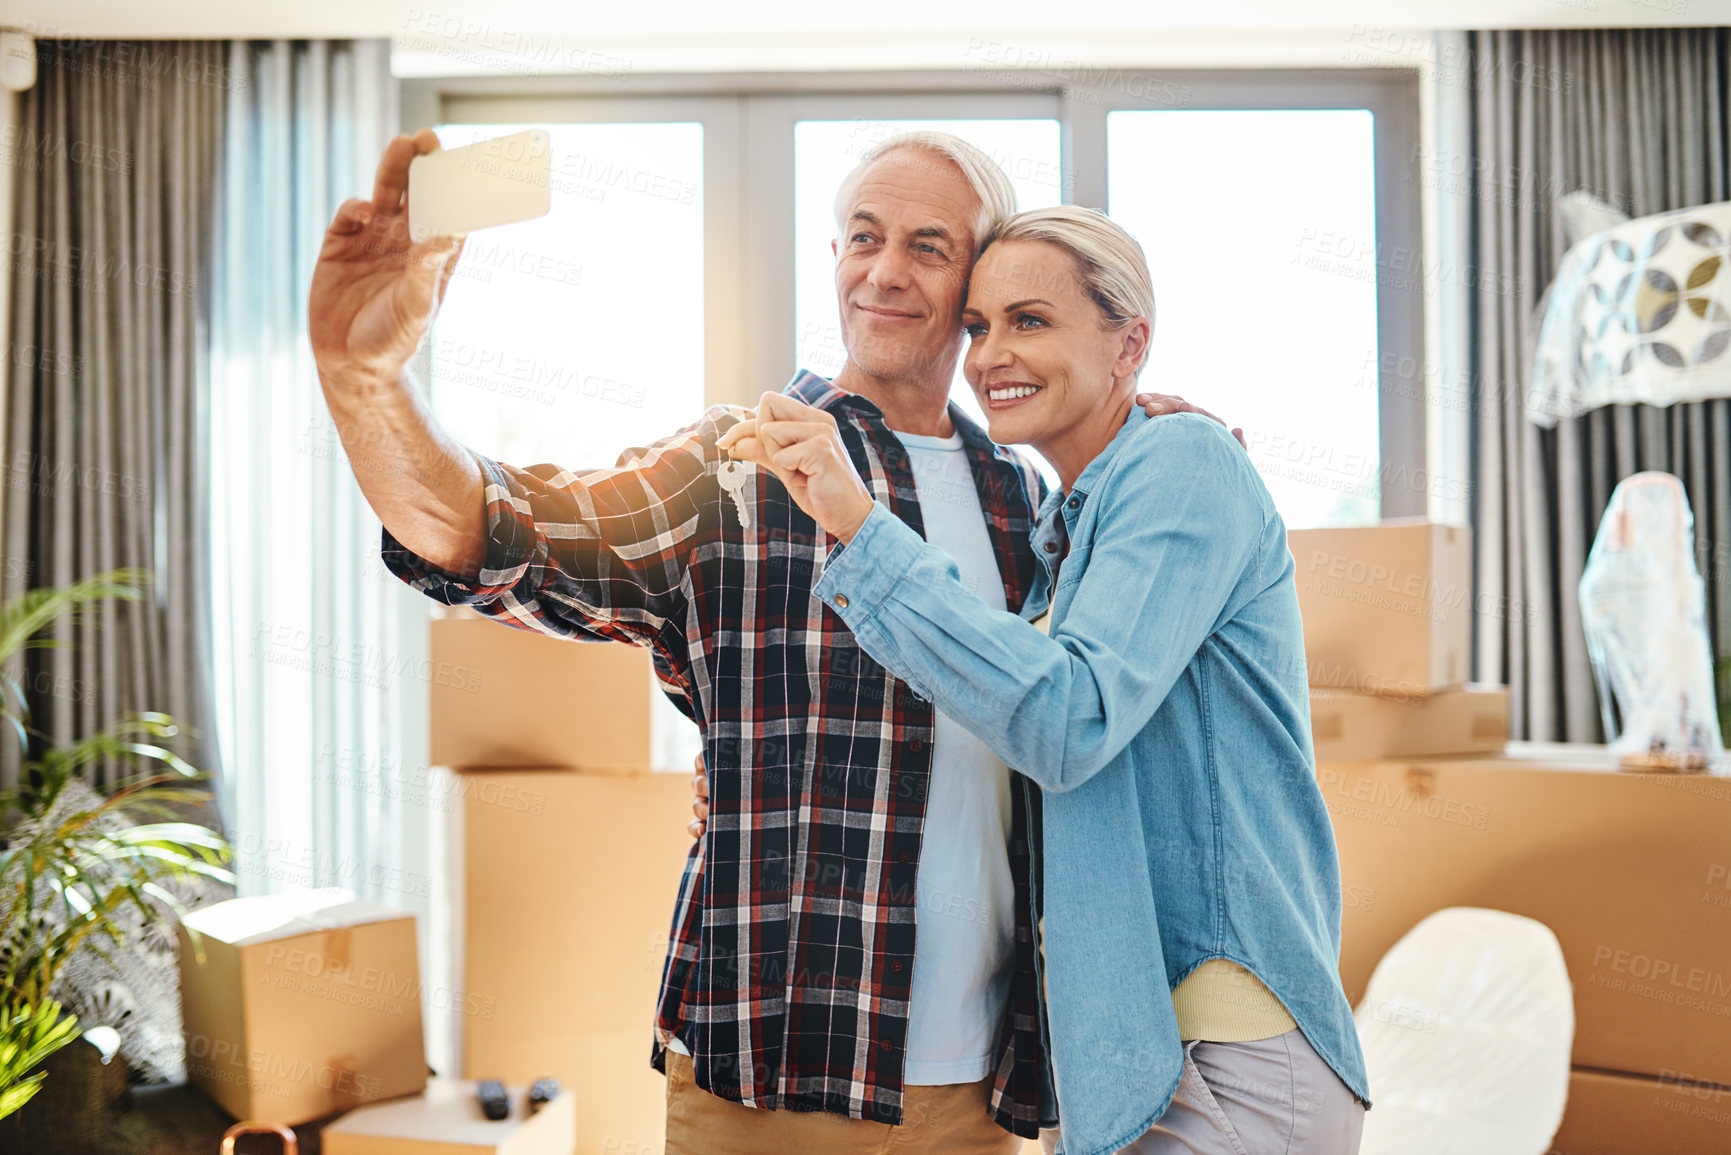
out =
column 791, row 953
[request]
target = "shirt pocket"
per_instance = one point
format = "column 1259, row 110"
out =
column 1070, row 569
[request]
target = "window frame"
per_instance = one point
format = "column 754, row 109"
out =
column 451, row 102
column 1392, row 96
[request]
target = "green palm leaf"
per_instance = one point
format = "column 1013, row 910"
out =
column 67, row 871
column 28, row 1035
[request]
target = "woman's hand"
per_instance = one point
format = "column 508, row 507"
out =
column 1158, row 404
column 801, row 445
column 699, row 799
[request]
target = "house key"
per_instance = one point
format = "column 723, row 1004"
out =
column 732, row 475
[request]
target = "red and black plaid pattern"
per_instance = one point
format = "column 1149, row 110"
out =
column 792, row 944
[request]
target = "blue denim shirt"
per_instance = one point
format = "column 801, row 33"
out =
column 1167, row 717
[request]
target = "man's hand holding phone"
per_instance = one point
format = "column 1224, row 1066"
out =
column 374, row 292
column 385, row 263
column 374, row 289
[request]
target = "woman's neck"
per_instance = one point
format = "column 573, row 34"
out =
column 1070, row 451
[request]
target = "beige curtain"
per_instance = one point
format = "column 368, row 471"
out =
column 116, row 160
column 320, row 653
column 320, row 737
column 1639, row 119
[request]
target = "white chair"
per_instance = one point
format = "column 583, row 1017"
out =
column 1467, row 1026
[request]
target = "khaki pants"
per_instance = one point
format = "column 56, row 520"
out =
column 950, row 1120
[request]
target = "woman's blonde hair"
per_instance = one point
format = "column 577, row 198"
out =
column 1114, row 270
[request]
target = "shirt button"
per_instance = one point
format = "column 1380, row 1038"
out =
column 896, row 966
column 1051, row 547
column 1075, row 503
column 841, row 601
column 904, row 856
column 916, row 745
column 884, row 1044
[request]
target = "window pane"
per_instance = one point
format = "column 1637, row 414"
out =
column 1260, row 229
column 825, row 151
column 569, row 338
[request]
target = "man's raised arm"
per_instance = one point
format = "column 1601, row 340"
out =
column 373, row 297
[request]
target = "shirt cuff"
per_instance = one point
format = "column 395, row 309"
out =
column 859, row 577
column 511, row 547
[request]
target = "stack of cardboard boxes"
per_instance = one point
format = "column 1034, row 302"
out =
column 1632, row 872
column 574, row 773
column 1628, row 870
column 571, row 848
column 1388, row 613
column 303, row 1006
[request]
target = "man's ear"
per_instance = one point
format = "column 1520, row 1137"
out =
column 1135, row 344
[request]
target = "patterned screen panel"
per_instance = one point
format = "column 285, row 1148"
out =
column 1640, row 312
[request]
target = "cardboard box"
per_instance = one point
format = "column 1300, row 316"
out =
column 1387, row 608
column 306, row 1004
column 507, row 697
column 1615, row 1114
column 1348, row 727
column 1630, row 872
column 446, row 1119
column 570, row 881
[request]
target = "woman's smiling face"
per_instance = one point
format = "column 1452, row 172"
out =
column 1039, row 356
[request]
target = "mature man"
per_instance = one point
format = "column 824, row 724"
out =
column 792, row 1017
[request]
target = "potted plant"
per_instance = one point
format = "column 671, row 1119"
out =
column 75, row 865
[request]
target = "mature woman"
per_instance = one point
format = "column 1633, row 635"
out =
column 1189, row 890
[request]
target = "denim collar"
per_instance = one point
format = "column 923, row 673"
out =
column 1091, row 474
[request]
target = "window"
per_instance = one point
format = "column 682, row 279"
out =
column 1260, row 231
column 1280, row 213
column 1274, row 207
column 571, row 337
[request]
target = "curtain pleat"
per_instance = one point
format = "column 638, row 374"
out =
column 1637, row 118
column 118, row 148
column 307, row 642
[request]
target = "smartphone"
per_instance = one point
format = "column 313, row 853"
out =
column 491, row 182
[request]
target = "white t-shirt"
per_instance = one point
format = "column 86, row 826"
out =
column 964, row 949
column 965, row 899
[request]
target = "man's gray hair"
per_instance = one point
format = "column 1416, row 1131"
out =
column 997, row 197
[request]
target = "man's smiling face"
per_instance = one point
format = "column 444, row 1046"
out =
column 902, row 267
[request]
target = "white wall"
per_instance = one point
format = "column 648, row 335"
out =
column 457, row 37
